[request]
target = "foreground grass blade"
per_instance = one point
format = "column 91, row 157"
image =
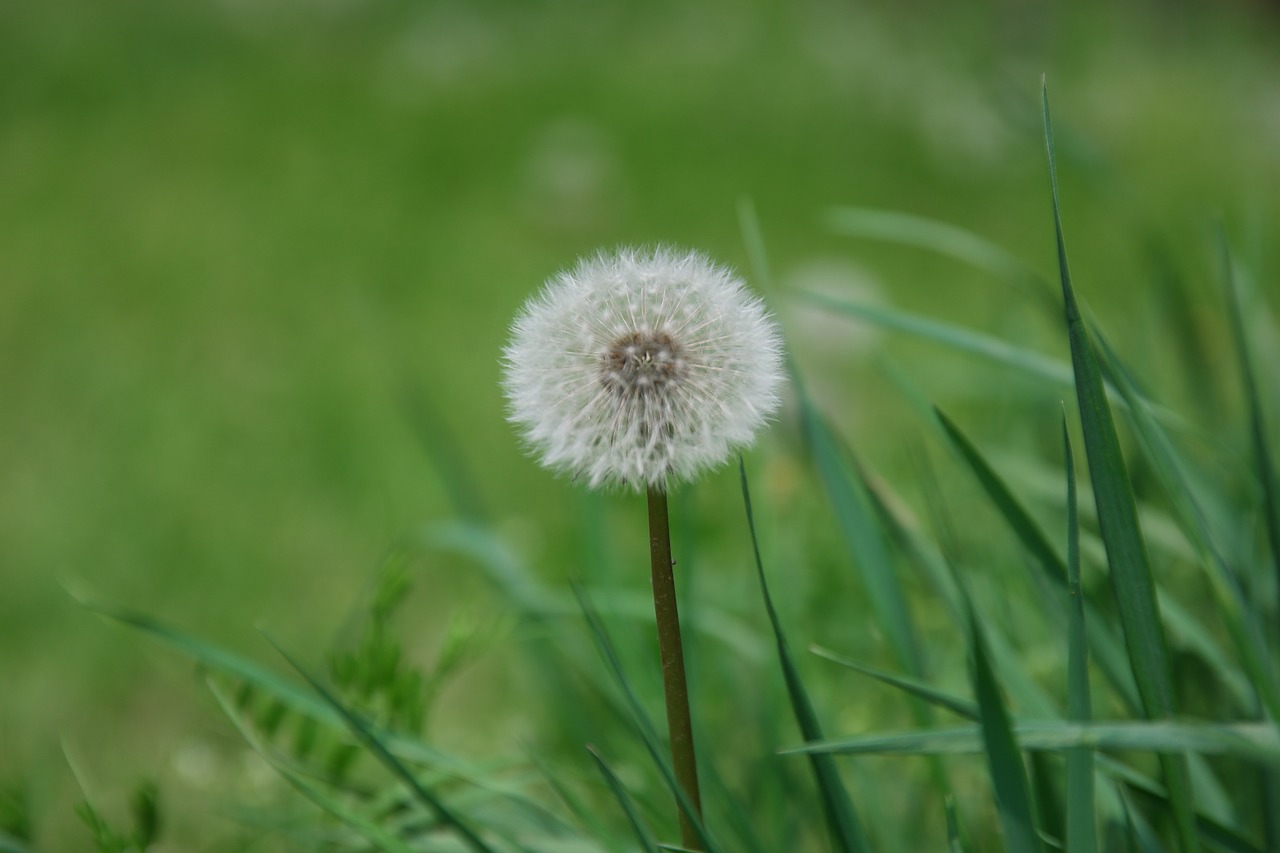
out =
column 371, row 830
column 1082, row 836
column 1257, row 421
column 374, row 745
column 960, row 707
column 842, row 820
column 642, row 833
column 1118, row 517
column 1256, row 743
column 648, row 734
column 1004, row 758
column 1267, row 478
column 1111, row 657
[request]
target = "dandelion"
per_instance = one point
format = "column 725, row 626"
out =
column 640, row 369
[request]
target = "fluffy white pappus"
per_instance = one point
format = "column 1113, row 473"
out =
column 642, row 367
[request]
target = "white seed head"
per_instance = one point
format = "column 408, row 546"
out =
column 642, row 367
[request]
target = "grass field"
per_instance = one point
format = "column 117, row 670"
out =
column 257, row 263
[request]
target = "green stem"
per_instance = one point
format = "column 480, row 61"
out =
column 674, row 686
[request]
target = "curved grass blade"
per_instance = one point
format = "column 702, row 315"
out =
column 1081, row 835
column 370, row 830
column 1257, row 421
column 1118, row 517
column 842, row 819
column 1110, row 655
column 863, row 538
column 648, row 734
column 954, row 704
column 365, row 734
column 940, row 237
column 1256, row 743
column 1004, row 758
column 643, row 835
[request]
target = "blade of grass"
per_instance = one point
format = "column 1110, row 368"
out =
column 648, row 734
column 365, row 734
column 1004, row 758
column 842, row 819
column 369, row 829
column 1081, row 834
column 1266, row 470
column 940, row 237
column 1110, row 655
column 1254, row 742
column 643, row 835
column 956, row 705
column 1117, row 514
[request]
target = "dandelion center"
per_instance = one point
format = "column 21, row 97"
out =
column 641, row 363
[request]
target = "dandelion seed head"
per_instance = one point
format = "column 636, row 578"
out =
column 642, row 367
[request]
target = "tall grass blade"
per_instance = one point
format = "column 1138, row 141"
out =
column 1118, row 517
column 1004, row 758
column 842, row 819
column 954, row 704
column 1267, row 477
column 371, row 830
column 643, row 835
column 1110, row 654
column 1081, row 835
column 648, row 734
column 1257, row 420
column 1256, row 743
column 365, row 734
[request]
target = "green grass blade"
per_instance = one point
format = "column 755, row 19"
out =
column 643, row 835
column 1110, row 655
column 365, row 734
column 1023, row 360
column 863, row 538
column 369, row 829
column 842, row 819
column 955, row 704
column 648, row 734
column 955, row 843
column 1081, row 834
column 1256, row 743
column 1118, row 517
column 1004, row 758
column 940, row 237
column 1266, row 470
column 1193, row 521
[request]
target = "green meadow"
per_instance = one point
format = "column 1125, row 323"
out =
column 258, row 261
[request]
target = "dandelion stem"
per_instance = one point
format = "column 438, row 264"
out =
column 674, row 686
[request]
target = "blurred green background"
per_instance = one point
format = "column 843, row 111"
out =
column 246, row 248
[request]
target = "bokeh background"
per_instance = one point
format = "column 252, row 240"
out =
column 258, row 256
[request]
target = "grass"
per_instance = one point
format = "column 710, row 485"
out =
column 255, row 262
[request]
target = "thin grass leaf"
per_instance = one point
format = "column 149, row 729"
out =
column 940, row 237
column 1110, row 654
column 643, row 835
column 1081, row 834
column 445, row 451
column 1193, row 521
column 1118, row 517
column 648, row 734
column 372, row 831
column 1254, row 742
column 1266, row 470
column 864, row 540
column 954, row 704
column 365, row 734
column 1004, row 758
column 842, row 819
column 955, row 844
